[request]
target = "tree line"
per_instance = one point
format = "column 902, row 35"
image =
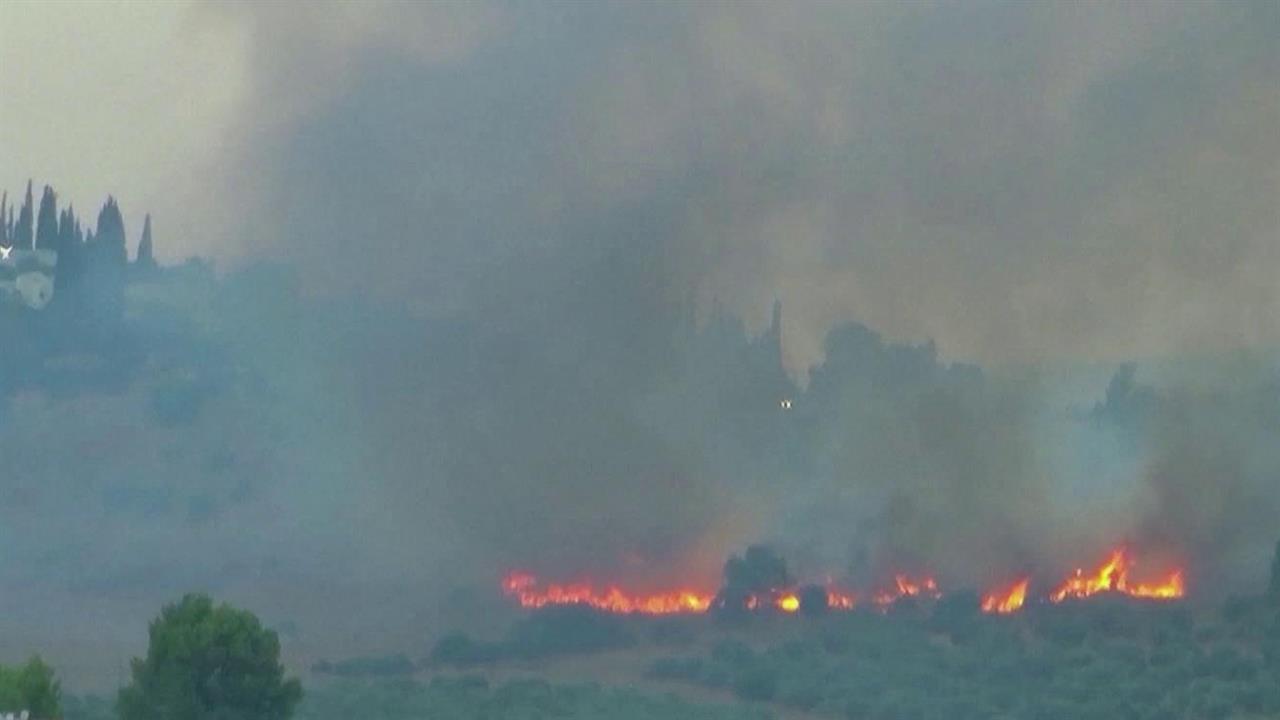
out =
column 93, row 264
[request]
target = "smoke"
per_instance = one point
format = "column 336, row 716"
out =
column 1015, row 182
column 1207, row 490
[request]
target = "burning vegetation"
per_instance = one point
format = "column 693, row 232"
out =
column 759, row 581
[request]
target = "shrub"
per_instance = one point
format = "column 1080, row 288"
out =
column 458, row 649
column 567, row 629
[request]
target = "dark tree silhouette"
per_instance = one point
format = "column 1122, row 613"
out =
column 146, row 260
column 47, row 221
column 70, row 248
column 105, row 267
column 24, row 230
column 759, row 572
column 813, row 601
column 4, row 224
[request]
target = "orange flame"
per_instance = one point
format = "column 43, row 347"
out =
column 524, row 588
column 1006, row 600
column 840, row 600
column 1113, row 576
column 906, row 587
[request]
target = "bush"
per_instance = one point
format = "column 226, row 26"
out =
column 458, row 649
column 567, row 629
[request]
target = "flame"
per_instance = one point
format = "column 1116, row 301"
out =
column 906, row 587
column 1113, row 576
column 524, row 588
column 840, row 600
column 1008, row 599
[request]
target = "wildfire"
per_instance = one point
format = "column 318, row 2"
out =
column 1008, row 599
column 1113, row 576
column 524, row 588
column 924, row 586
column 840, row 600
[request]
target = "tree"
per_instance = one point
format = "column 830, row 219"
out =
column 47, row 221
column 69, row 247
column 813, row 600
column 4, row 225
column 31, row 687
column 209, row 662
column 106, row 264
column 756, row 574
column 146, row 260
column 23, row 230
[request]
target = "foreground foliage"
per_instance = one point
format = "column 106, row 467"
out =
column 473, row 698
column 204, row 662
column 32, row 687
column 1105, row 658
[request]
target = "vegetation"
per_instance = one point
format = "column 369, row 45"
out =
column 555, row 630
column 32, row 687
column 384, row 666
column 472, row 698
column 756, row 573
column 205, row 661
column 1108, row 657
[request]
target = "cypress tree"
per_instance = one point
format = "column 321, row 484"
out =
column 110, row 235
column 24, row 234
column 146, row 260
column 4, row 226
column 47, row 221
column 67, row 279
column 106, row 264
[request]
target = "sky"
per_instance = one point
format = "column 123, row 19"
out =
column 1018, row 181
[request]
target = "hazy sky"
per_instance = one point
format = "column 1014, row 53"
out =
column 1019, row 181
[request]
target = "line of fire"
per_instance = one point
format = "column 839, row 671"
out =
column 1115, row 576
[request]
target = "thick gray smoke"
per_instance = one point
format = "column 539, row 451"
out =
column 519, row 314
